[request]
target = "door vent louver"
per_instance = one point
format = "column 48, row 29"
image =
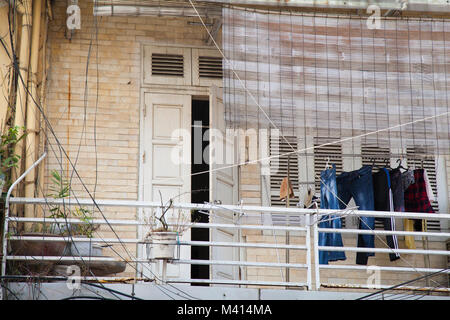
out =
column 167, row 65
column 210, row 67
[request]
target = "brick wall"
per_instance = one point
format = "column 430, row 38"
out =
column 108, row 164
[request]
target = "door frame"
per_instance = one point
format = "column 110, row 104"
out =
column 194, row 92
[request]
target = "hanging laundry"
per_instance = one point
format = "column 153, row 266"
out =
column 329, row 200
column 286, row 189
column 408, row 224
column 407, row 178
column 358, row 185
column 383, row 202
column 416, row 200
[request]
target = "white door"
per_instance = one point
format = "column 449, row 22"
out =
column 223, row 187
column 166, row 165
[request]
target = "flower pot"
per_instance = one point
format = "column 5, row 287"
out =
column 84, row 249
column 160, row 250
column 38, row 247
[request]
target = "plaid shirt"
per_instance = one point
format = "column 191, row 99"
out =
column 416, row 198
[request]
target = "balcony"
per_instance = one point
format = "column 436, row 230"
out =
column 301, row 271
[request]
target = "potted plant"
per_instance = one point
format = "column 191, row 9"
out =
column 8, row 161
column 60, row 190
column 86, row 248
column 163, row 237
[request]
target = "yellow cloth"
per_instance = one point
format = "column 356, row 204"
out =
column 409, row 240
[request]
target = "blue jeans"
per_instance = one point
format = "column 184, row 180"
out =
column 328, row 200
column 359, row 185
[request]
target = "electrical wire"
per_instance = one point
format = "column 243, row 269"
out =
column 9, row 290
column 85, row 298
column 402, row 284
column 27, row 90
column 64, row 278
column 62, row 150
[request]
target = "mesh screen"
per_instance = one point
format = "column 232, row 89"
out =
column 331, row 76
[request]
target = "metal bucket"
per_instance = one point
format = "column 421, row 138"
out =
column 84, row 249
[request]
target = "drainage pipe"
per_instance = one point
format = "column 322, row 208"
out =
column 31, row 114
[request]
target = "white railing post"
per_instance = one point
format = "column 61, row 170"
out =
column 5, row 225
column 316, row 252
column 308, row 250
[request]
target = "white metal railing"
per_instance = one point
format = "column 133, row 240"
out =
column 443, row 235
column 310, row 230
column 113, row 203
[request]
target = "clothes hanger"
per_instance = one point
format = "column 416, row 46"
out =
column 399, row 161
column 373, row 164
column 327, row 165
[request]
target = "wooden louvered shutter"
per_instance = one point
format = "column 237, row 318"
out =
column 207, row 68
column 278, row 171
column 166, row 65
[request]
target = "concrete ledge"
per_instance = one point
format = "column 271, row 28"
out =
column 152, row 291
